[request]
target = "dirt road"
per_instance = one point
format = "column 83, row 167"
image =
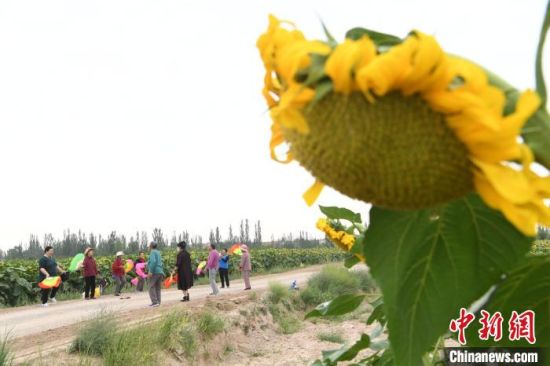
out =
column 34, row 320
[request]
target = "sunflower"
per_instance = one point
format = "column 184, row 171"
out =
column 340, row 238
column 403, row 127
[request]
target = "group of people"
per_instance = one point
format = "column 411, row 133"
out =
column 215, row 263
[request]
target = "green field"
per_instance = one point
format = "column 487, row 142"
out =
column 18, row 278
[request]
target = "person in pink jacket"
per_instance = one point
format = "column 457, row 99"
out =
column 245, row 266
column 212, row 265
column 90, row 273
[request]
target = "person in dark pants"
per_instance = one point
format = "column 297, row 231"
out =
column 224, row 268
column 155, row 268
column 118, row 273
column 90, row 273
column 48, row 267
column 184, row 271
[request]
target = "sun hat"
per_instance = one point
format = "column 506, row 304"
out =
column 119, row 253
column 87, row 250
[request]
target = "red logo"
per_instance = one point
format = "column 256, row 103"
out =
column 522, row 326
column 460, row 324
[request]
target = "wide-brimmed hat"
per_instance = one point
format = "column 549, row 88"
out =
column 88, row 250
column 119, row 253
column 244, row 247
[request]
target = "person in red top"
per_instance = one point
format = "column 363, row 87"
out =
column 90, row 273
column 117, row 270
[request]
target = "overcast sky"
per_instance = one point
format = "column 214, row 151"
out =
column 130, row 115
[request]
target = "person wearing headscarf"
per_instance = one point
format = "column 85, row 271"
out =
column 245, row 266
column 90, row 272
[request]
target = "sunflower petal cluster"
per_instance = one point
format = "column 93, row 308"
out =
column 335, row 123
column 340, row 238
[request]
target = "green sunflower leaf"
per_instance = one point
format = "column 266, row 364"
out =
column 351, row 261
column 526, row 288
column 341, row 305
column 380, row 39
column 340, row 213
column 429, row 266
column 347, row 353
column 541, row 87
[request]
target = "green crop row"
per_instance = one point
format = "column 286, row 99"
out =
column 18, row 278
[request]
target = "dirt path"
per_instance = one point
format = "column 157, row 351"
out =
column 36, row 330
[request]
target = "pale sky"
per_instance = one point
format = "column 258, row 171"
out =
column 130, row 115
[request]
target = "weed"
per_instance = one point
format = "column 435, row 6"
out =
column 331, row 282
column 277, row 292
column 169, row 327
column 209, row 324
column 331, row 337
column 6, row 357
column 95, row 337
column 228, row 349
column 188, row 340
column 132, row 347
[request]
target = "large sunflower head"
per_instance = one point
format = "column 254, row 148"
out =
column 403, row 127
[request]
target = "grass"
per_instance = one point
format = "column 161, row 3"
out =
column 208, row 324
column 6, row 357
column 188, row 340
column 277, row 293
column 334, row 281
column 282, row 306
column 169, row 327
column 95, row 337
column 331, row 337
column 132, row 347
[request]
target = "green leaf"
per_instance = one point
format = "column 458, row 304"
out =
column 526, row 288
column 316, row 70
column 541, row 87
column 331, row 40
column 321, row 90
column 536, row 132
column 341, row 305
column 347, row 353
column 351, row 261
column 380, row 39
column 378, row 313
column 429, row 266
column 340, row 213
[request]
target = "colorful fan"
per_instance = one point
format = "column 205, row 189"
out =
column 170, row 280
column 235, row 249
column 200, row 267
column 134, row 281
column 77, row 259
column 128, row 266
column 50, row 282
column 140, row 270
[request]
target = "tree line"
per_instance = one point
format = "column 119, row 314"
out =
column 75, row 242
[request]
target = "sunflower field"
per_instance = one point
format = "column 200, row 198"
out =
column 18, row 278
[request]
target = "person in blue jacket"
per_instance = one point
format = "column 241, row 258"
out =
column 224, row 269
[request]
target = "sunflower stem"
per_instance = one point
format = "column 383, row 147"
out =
column 541, row 87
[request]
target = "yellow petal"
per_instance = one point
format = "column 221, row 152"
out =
column 387, row 71
column 425, row 64
column 523, row 217
column 512, row 185
column 313, row 192
column 343, row 61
